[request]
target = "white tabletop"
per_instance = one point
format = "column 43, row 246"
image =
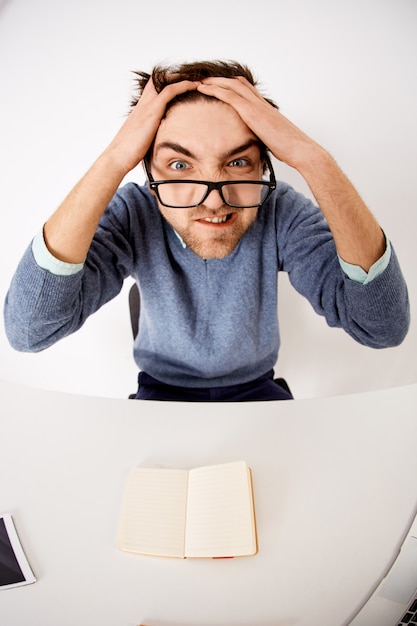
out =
column 334, row 483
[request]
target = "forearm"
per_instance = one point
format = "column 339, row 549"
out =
column 69, row 231
column 358, row 236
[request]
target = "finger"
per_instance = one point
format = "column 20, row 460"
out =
column 169, row 92
column 231, row 91
column 175, row 89
column 239, row 85
column 232, row 83
column 249, row 85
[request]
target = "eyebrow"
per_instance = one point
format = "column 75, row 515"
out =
column 245, row 146
column 183, row 150
column 176, row 147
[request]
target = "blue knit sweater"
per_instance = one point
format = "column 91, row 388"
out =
column 206, row 323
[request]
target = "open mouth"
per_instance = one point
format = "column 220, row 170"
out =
column 217, row 219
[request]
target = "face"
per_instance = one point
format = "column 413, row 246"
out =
column 207, row 140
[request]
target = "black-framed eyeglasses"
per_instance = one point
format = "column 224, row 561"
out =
column 238, row 194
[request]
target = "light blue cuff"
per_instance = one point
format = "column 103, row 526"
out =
column 356, row 273
column 48, row 262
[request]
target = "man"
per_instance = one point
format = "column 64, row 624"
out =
column 205, row 238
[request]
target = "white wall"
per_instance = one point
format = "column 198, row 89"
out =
column 344, row 71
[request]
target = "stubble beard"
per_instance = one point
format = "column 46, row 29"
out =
column 218, row 242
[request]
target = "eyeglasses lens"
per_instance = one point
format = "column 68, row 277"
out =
column 244, row 194
column 240, row 195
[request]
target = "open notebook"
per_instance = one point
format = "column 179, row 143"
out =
column 204, row 512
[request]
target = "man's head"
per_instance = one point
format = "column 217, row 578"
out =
column 165, row 75
column 201, row 138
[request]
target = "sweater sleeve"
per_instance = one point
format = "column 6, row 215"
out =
column 42, row 307
column 375, row 313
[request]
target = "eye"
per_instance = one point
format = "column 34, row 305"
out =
column 178, row 165
column 239, row 162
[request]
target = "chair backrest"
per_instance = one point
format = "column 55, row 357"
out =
column 134, row 307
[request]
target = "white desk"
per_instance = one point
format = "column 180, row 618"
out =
column 335, row 487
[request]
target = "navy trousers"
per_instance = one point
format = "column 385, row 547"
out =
column 263, row 388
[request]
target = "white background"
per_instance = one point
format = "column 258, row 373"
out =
column 344, row 71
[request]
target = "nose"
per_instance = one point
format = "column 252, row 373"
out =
column 214, row 200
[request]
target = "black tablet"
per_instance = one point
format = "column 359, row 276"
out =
column 14, row 567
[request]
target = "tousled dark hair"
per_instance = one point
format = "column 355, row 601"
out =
column 165, row 75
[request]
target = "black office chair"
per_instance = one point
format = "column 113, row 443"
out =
column 134, row 307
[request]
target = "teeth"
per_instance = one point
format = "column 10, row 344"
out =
column 215, row 220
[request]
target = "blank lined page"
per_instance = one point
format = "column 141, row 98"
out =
column 153, row 519
column 220, row 519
